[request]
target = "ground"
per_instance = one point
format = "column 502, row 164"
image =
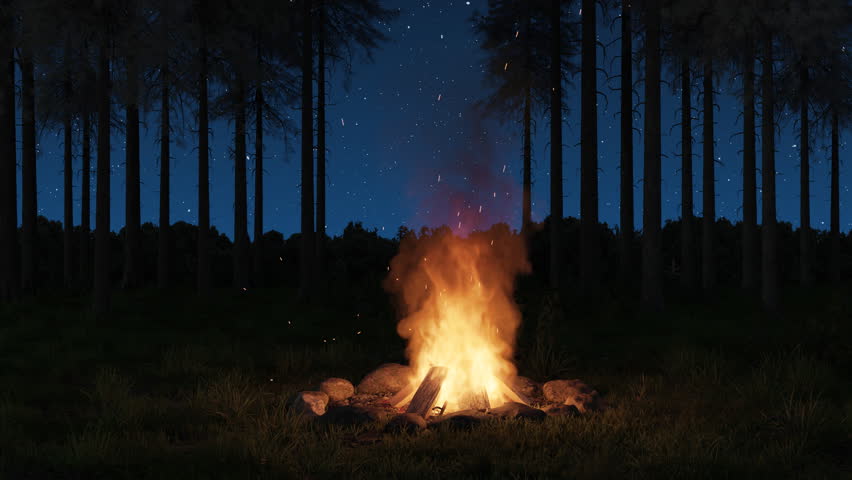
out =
column 176, row 387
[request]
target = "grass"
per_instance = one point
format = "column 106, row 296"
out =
column 179, row 388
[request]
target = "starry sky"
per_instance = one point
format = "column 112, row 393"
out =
column 406, row 146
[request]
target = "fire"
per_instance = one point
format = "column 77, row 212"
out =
column 455, row 295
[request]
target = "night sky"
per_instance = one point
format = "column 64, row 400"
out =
column 406, row 147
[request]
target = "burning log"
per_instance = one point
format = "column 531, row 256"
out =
column 426, row 395
column 475, row 400
column 514, row 393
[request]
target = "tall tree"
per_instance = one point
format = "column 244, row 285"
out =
column 322, row 19
column 307, row 263
column 163, row 239
column 626, row 213
column 204, row 267
column 102, row 205
column 687, row 236
column 86, row 202
column 342, row 26
column 652, row 264
column 516, row 36
column 589, row 237
column 9, row 280
column 68, row 173
column 132, row 210
column 708, row 181
column 555, row 144
column 769, row 234
column 258, row 175
column 241, row 254
column 749, row 236
column 29, row 184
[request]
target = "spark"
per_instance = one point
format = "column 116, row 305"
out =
column 342, row 123
column 506, row 66
column 517, row 32
column 504, row 168
column 480, row 209
column 439, row 97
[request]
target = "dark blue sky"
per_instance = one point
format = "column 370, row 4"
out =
column 407, row 148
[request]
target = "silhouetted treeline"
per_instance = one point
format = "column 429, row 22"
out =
column 357, row 260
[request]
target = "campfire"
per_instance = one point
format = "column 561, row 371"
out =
column 455, row 295
column 455, row 299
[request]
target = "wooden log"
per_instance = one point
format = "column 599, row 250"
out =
column 402, row 396
column 475, row 400
column 427, row 393
column 513, row 393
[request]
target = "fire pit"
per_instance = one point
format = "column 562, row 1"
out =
column 455, row 298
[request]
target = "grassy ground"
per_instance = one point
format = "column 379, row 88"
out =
column 177, row 387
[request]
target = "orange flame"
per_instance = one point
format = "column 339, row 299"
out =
column 458, row 310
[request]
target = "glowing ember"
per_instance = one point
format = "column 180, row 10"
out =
column 465, row 319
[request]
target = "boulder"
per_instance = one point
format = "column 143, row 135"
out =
column 527, row 386
column 406, row 423
column 337, row 389
column 388, row 378
column 559, row 410
column 461, row 420
column 346, row 415
column 518, row 410
column 572, row 392
column 312, row 404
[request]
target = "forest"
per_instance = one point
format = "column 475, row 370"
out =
column 170, row 348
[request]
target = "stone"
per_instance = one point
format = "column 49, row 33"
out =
column 346, row 415
column 572, row 392
column 312, row 404
column 461, row 420
column 527, row 386
column 517, row 410
column 559, row 410
column 388, row 378
column 337, row 389
column 406, row 423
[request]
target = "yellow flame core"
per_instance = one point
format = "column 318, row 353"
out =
column 458, row 309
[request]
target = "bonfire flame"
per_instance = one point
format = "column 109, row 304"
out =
column 455, row 296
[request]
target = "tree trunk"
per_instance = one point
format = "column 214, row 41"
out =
column 688, row 275
column 9, row 279
column 526, row 215
column 132, row 228
column 708, row 237
column 749, row 265
column 102, row 207
column 241, row 259
column 165, row 160
column 307, row 254
column 68, row 184
column 86, row 203
column 203, row 174
column 805, row 250
column 652, row 262
column 258, row 185
column 589, row 238
column 834, row 220
column 769, row 236
column 626, row 220
column 321, row 148
column 526, row 208
column 29, row 186
column 555, row 144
